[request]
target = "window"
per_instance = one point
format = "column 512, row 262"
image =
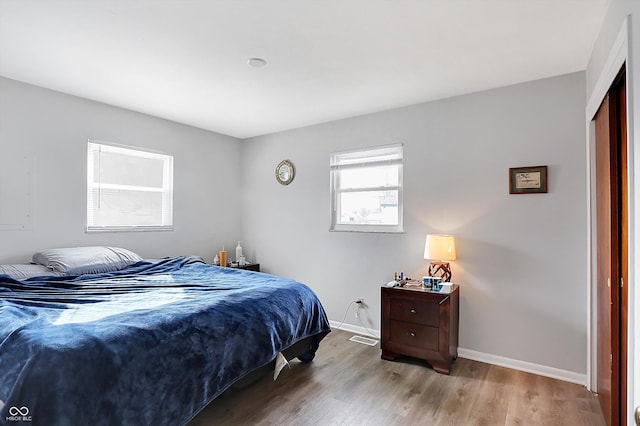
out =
column 366, row 190
column 128, row 189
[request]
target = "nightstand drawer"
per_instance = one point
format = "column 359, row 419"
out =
column 415, row 311
column 414, row 335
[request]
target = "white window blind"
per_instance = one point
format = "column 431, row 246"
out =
column 366, row 190
column 128, row 189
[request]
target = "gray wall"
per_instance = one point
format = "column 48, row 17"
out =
column 53, row 128
column 521, row 258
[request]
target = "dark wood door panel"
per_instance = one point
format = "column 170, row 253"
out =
column 612, row 251
column 603, row 235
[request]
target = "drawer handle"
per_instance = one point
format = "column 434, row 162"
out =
column 413, row 311
column 412, row 334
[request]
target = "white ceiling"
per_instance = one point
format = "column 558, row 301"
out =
column 186, row 60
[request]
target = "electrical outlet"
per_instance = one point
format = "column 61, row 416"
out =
column 359, row 303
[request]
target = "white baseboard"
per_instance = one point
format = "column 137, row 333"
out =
column 529, row 367
column 355, row 329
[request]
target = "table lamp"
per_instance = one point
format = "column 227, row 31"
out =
column 439, row 249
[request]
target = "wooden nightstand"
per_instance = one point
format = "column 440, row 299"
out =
column 422, row 324
column 249, row 267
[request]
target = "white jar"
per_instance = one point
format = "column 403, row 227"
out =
column 238, row 251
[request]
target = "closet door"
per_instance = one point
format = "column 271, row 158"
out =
column 612, row 253
column 606, row 377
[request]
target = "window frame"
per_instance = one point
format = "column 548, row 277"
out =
column 166, row 190
column 365, row 155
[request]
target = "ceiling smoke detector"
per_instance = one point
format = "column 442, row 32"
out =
column 256, row 62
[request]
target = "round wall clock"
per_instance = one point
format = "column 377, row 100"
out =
column 284, row 172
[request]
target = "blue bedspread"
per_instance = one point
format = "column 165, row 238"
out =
column 149, row 345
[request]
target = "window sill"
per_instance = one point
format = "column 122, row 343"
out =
column 100, row 229
column 367, row 230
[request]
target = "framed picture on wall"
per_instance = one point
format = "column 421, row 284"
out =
column 528, row 180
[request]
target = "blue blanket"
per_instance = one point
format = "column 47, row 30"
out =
column 149, row 345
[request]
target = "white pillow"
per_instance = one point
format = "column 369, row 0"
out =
column 24, row 271
column 86, row 260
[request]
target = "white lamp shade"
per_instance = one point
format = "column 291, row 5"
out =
column 439, row 247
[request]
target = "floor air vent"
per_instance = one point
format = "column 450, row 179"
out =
column 364, row 340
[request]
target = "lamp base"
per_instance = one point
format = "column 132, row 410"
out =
column 440, row 269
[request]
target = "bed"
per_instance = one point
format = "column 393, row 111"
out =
column 150, row 344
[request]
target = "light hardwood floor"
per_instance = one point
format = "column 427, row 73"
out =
column 348, row 384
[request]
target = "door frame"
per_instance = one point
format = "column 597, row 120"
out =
column 619, row 55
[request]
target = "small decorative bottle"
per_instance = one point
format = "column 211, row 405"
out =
column 223, row 257
column 238, row 251
column 216, row 260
